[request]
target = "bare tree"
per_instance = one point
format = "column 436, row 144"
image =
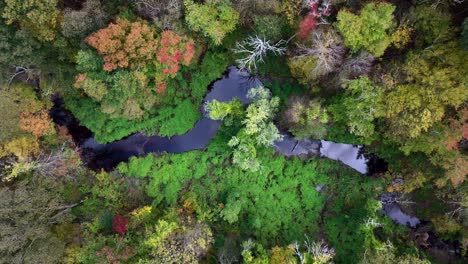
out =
column 164, row 13
column 31, row 73
column 147, row 8
column 319, row 251
column 356, row 66
column 327, row 48
column 436, row 3
column 298, row 253
column 255, row 49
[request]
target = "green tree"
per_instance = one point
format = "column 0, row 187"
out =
column 371, row 30
column 388, row 255
column 359, row 106
column 224, row 111
column 17, row 49
column 431, row 25
column 269, row 27
column 214, row 189
column 258, row 129
column 214, row 19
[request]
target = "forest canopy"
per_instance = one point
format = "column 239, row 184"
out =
column 233, row 131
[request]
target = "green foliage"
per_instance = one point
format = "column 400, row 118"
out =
column 464, row 34
column 284, row 89
column 248, row 200
column 184, row 117
column 121, row 94
column 179, row 95
column 137, row 167
column 52, row 211
column 361, row 105
column 388, row 254
column 211, row 68
column 301, row 67
column 371, row 30
column 269, row 27
column 10, row 107
column 168, row 239
column 17, row 48
column 431, row 24
column 214, row 18
column 269, row 68
column 219, row 111
column 105, row 193
column 350, row 215
column 258, row 130
column 106, row 129
column 254, row 253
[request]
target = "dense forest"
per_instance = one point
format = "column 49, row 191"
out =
column 227, row 131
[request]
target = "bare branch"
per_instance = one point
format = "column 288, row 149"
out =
column 255, row 49
column 298, row 253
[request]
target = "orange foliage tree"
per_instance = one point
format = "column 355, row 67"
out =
column 38, row 124
column 124, row 44
column 133, row 45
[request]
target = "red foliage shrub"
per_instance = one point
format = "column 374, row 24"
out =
column 119, row 224
column 307, row 25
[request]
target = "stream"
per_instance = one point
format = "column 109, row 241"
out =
column 233, row 84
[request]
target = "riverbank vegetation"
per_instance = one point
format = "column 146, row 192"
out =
column 391, row 76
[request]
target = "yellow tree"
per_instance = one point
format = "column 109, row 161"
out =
column 40, row 17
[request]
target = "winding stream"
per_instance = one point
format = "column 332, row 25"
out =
column 233, row 84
